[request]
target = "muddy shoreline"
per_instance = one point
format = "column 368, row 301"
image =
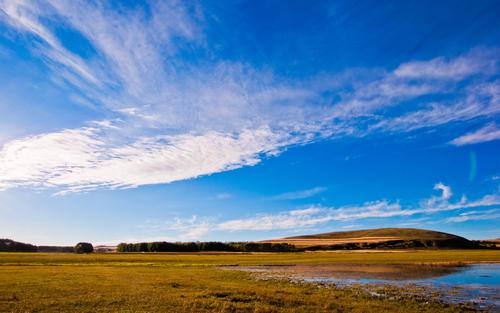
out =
column 473, row 286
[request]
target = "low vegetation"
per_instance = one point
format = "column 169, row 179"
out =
column 193, row 282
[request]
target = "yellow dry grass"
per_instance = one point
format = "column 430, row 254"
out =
column 191, row 282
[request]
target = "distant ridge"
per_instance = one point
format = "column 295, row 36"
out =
column 378, row 238
column 403, row 233
column 9, row 245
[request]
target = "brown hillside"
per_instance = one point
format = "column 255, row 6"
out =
column 368, row 236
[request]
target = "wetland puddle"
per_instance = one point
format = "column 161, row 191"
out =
column 478, row 284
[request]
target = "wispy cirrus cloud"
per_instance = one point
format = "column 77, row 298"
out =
column 488, row 133
column 475, row 216
column 179, row 229
column 479, row 100
column 308, row 211
column 169, row 117
column 303, row 219
column 441, row 68
column 223, row 196
column 315, row 216
column 300, row 194
column 78, row 160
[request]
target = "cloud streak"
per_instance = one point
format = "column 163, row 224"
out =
column 488, row 133
column 475, row 216
column 301, row 194
column 315, row 216
column 194, row 228
column 77, row 160
column 184, row 229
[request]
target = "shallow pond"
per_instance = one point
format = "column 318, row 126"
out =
column 478, row 283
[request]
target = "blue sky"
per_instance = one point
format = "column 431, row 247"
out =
column 246, row 120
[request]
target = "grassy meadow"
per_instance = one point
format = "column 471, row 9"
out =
column 192, row 282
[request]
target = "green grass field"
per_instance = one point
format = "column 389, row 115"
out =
column 39, row 282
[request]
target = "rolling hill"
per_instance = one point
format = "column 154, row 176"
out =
column 378, row 238
column 9, row 245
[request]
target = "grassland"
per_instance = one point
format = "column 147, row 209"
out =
column 40, row 282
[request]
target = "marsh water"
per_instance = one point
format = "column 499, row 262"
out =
column 478, row 284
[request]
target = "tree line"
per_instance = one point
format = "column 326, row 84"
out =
column 163, row 246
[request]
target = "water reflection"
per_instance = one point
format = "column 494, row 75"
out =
column 359, row 271
column 478, row 283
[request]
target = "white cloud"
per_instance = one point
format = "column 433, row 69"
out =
column 480, row 100
column 132, row 72
column 196, row 233
column 174, row 119
column 195, row 228
column 314, row 216
column 223, row 196
column 441, row 68
column 78, row 160
column 271, row 222
column 178, row 229
column 488, row 133
column 446, row 191
column 302, row 212
column 488, row 200
column 301, row 194
column 475, row 216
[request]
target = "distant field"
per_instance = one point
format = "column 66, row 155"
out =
column 306, row 242
column 190, row 282
column 367, row 236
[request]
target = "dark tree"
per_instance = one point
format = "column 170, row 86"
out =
column 122, row 247
column 84, row 247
